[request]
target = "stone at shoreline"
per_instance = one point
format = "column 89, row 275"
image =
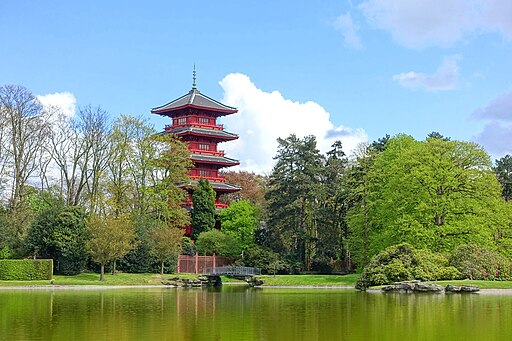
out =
column 418, row 286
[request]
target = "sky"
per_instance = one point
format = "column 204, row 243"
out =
column 348, row 70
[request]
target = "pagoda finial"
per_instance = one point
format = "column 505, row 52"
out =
column 194, row 77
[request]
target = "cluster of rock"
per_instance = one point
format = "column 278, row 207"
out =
column 206, row 281
column 418, row 286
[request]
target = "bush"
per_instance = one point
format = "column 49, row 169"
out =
column 263, row 258
column 403, row 263
column 476, row 262
column 26, row 269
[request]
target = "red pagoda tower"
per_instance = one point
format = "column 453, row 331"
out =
column 194, row 119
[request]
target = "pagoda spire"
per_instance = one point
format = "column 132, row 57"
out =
column 194, row 77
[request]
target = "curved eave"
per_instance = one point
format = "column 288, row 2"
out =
column 216, row 134
column 220, row 161
column 172, row 112
column 223, row 187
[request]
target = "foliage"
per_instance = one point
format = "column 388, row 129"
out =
column 503, row 170
column 478, row 263
column 188, row 247
column 5, row 253
column 402, row 263
column 166, row 244
column 263, row 258
column 110, row 239
column 240, row 220
column 435, row 194
column 59, row 232
column 215, row 242
column 253, row 187
column 26, row 269
column 294, row 198
column 203, row 211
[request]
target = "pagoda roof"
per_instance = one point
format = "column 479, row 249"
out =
column 214, row 159
column 194, row 99
column 218, row 186
column 220, row 134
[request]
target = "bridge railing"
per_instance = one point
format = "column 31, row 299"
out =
column 233, row 270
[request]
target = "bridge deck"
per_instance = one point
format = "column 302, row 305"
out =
column 233, row 271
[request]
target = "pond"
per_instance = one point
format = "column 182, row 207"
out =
column 242, row 313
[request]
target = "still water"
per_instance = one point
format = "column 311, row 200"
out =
column 242, row 313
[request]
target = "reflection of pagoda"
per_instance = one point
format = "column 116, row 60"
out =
column 194, row 119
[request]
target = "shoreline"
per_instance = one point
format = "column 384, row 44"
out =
column 114, row 287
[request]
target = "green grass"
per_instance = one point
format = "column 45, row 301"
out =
column 480, row 284
column 310, row 280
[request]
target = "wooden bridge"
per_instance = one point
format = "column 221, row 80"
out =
column 239, row 272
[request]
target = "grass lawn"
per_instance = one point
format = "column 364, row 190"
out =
column 310, row 280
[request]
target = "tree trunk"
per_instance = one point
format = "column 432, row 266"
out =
column 162, row 269
column 102, row 273
column 114, row 268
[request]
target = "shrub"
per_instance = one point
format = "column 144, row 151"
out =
column 476, row 262
column 263, row 258
column 26, row 269
column 403, row 263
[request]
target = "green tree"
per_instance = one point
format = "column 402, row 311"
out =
column 240, row 220
column 503, row 170
column 215, row 242
column 166, row 244
column 203, row 211
column 110, row 239
column 59, row 232
column 435, row 194
column 294, row 190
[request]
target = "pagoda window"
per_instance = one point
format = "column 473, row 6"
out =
column 203, row 146
column 182, row 120
column 203, row 172
column 204, row 120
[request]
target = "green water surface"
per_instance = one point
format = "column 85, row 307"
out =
column 242, row 313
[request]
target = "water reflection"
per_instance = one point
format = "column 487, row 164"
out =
column 242, row 313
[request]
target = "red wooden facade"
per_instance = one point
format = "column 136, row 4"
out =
column 194, row 118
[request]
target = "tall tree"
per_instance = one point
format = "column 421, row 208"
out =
column 203, row 211
column 293, row 193
column 252, row 185
column 435, row 194
column 503, row 170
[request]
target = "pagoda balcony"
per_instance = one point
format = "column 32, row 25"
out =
column 207, row 152
column 219, row 204
column 209, row 178
column 194, row 122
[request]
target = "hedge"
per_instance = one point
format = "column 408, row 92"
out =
column 26, row 269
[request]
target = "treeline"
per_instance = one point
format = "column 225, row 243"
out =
column 94, row 193
column 329, row 212
column 87, row 188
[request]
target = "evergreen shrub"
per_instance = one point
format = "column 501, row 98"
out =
column 404, row 263
column 26, row 269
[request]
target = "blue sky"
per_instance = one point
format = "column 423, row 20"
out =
column 355, row 70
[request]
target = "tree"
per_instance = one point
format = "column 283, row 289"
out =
column 164, row 196
column 110, row 239
column 166, row 244
column 293, row 197
column 240, row 220
column 59, row 232
column 215, row 242
column 203, row 211
column 252, row 185
column 435, row 194
column 503, row 170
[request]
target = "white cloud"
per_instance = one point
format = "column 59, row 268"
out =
column 264, row 116
column 496, row 136
column 445, row 77
column 438, row 22
column 64, row 101
column 349, row 30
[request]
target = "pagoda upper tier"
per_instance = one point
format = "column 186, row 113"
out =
column 194, row 120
